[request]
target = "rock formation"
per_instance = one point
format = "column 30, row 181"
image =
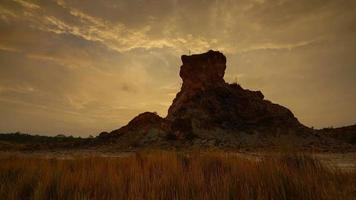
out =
column 208, row 101
column 209, row 109
column 345, row 134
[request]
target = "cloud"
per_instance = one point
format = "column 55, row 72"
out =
column 116, row 36
column 10, row 49
column 27, row 4
column 93, row 66
column 273, row 46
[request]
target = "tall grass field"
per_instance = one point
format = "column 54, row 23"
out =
column 173, row 175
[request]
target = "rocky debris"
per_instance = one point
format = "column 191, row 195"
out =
column 144, row 120
column 180, row 129
column 143, row 123
column 146, row 129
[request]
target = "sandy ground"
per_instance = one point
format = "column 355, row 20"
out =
column 343, row 161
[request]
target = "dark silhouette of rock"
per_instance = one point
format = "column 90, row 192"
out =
column 146, row 128
column 208, row 101
column 210, row 112
column 203, row 70
column 345, row 134
column 142, row 122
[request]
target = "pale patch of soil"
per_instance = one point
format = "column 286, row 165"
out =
column 343, row 161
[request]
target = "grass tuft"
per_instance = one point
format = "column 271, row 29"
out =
column 173, row 175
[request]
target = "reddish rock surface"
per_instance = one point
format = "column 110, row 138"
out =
column 202, row 71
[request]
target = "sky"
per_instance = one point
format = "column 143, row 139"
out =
column 82, row 67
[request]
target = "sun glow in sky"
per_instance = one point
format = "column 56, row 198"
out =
column 82, row 67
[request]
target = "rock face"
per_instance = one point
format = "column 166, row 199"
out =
column 208, row 101
column 202, row 71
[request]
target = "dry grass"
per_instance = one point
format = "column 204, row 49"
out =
column 171, row 175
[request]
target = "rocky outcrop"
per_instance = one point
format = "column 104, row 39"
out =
column 202, row 71
column 143, row 122
column 209, row 111
column 345, row 134
column 208, row 101
column 145, row 129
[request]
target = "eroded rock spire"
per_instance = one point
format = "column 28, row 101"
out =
column 201, row 71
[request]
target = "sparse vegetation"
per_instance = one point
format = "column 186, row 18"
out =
column 173, row 175
column 23, row 138
column 30, row 142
